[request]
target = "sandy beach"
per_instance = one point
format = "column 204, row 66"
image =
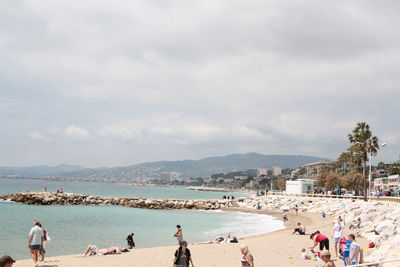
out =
column 279, row 248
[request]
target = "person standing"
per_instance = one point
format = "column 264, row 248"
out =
column 183, row 256
column 296, row 209
column 35, row 241
column 337, row 233
column 247, row 259
column 129, row 239
column 179, row 234
column 285, row 218
column 356, row 253
column 46, row 239
column 6, row 261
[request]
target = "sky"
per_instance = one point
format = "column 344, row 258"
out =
column 111, row 83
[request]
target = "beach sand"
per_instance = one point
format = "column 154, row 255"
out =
column 276, row 249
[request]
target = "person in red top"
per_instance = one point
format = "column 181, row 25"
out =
column 323, row 241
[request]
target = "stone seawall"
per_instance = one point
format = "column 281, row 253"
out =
column 49, row 198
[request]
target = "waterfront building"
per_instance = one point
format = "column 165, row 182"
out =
column 387, row 183
column 315, row 169
column 300, row 186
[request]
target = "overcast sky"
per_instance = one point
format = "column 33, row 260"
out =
column 106, row 83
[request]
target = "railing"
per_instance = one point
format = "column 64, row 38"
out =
column 391, row 199
column 377, row 263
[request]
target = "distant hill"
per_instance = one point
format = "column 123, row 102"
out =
column 39, row 171
column 194, row 168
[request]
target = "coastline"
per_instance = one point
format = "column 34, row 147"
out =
column 279, row 248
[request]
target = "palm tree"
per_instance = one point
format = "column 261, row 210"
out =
column 362, row 143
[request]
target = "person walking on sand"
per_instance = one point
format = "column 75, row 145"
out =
column 182, row 256
column 247, row 259
column 35, row 241
column 326, row 258
column 6, row 261
column 46, row 239
column 337, row 233
column 129, row 239
column 285, row 218
column 179, row 234
column 296, row 209
column 323, row 241
column 356, row 253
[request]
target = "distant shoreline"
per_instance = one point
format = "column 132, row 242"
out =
column 218, row 189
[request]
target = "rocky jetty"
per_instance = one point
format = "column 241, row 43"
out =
column 49, row 198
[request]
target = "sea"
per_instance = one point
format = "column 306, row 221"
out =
column 72, row 228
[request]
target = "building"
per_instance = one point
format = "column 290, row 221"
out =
column 387, row 183
column 262, row 171
column 169, row 176
column 166, row 177
column 301, row 186
column 315, row 169
column 277, row 170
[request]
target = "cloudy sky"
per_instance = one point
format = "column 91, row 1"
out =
column 106, row 83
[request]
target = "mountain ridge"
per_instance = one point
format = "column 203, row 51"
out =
column 188, row 168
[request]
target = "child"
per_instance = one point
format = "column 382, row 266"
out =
column 326, row 258
column 304, row 254
column 285, row 218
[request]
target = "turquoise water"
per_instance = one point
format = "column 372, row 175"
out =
column 72, row 228
column 109, row 189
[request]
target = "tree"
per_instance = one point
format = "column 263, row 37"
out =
column 281, row 183
column 331, row 180
column 394, row 169
column 362, row 142
column 352, row 181
column 381, row 166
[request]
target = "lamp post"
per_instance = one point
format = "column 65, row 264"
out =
column 370, row 170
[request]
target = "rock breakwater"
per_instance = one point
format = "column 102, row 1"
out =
column 49, row 198
column 377, row 221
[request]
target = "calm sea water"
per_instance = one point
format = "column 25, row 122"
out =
column 72, row 228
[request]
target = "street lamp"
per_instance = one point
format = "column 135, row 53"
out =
column 370, row 170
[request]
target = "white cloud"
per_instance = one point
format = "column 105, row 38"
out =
column 71, row 133
column 191, row 79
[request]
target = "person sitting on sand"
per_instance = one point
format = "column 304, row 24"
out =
column 93, row 250
column 326, row 258
column 323, row 241
column 231, row 239
column 304, row 255
column 247, row 260
column 299, row 229
column 183, row 256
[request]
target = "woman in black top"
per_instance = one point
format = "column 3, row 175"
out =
column 183, row 256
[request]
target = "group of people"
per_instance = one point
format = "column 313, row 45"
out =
column 183, row 257
column 37, row 241
column 228, row 197
column 347, row 250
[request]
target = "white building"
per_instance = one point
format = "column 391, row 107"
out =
column 262, row 171
column 277, row 170
column 301, row 186
column 387, row 183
